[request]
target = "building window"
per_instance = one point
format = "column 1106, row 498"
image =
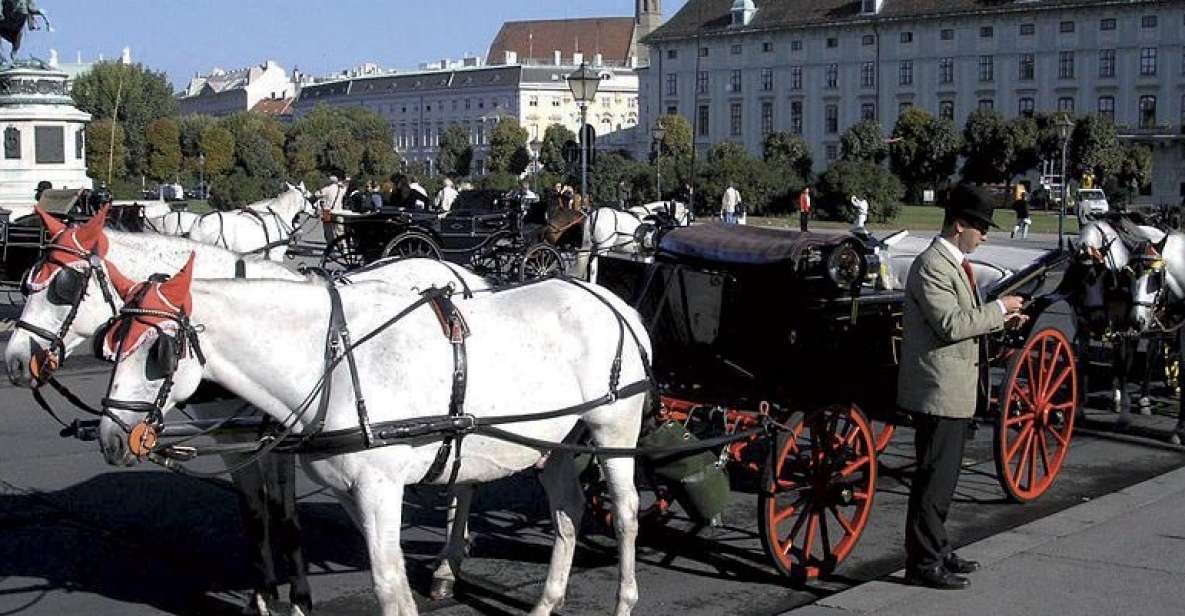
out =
column 767, row 80
column 946, row 70
column 868, row 111
column 986, row 68
column 868, row 39
column 1107, row 24
column 1147, row 111
column 832, row 151
column 1066, row 27
column 672, row 85
column 734, row 81
column 701, row 82
column 1148, row 21
column 767, row 47
column 767, row 117
column 734, row 119
column 795, row 77
column 986, row 32
column 1028, row 29
column 796, row 117
column 795, row 45
column 12, row 143
column 906, row 38
column 832, row 42
column 702, row 121
column 672, row 110
column 1025, row 106
column 905, row 73
column 831, row 123
column 901, row 107
column 832, row 76
column 946, row 110
column 1026, row 67
column 672, row 54
column 947, row 34
column 1065, row 65
column 1106, row 63
column 481, row 133
column 531, row 102
column 1107, row 107
column 986, row 104
column 703, row 52
column 735, row 50
column 1065, row 104
column 868, row 75
column 1148, row 61
column 79, row 144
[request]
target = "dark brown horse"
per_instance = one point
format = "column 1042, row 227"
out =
column 17, row 16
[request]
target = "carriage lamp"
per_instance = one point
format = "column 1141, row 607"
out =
column 584, row 82
column 845, row 266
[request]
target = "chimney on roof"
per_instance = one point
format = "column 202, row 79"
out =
column 125, row 57
column 598, row 60
column 511, row 57
column 577, row 58
column 872, row 7
column 556, row 57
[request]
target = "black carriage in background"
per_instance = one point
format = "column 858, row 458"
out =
column 494, row 233
column 755, row 325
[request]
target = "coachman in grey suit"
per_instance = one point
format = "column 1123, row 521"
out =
column 939, row 382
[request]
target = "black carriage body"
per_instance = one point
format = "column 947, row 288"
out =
column 740, row 316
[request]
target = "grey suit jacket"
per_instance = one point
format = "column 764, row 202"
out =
column 940, row 344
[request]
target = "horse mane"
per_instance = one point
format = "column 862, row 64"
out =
column 181, row 245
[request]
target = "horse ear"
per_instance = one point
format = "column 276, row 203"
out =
column 176, row 289
column 53, row 225
column 123, row 285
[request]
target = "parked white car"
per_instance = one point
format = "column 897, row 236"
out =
column 1092, row 202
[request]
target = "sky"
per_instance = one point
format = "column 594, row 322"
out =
column 183, row 37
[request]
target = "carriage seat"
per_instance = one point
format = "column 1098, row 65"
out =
column 740, row 244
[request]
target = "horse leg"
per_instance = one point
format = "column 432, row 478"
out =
column 1123, row 362
column 252, row 496
column 1152, row 350
column 611, row 429
column 456, row 546
column 281, row 473
column 561, row 482
column 380, row 509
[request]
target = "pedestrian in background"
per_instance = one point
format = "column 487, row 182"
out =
column 376, row 196
column 728, row 205
column 1020, row 204
column 861, row 207
column 445, row 198
column 804, row 209
column 940, row 380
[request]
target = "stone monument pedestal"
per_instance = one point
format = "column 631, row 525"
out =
column 42, row 135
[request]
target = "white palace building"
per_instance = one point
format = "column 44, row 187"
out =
column 740, row 69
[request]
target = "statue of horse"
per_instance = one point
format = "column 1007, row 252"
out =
column 520, row 359
column 17, row 16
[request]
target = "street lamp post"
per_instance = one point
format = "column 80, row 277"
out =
column 202, row 173
column 1064, row 126
column 583, row 82
column 659, row 133
column 536, row 148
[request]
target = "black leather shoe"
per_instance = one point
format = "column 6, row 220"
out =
column 954, row 564
column 936, row 577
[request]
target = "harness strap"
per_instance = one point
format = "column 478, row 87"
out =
column 456, row 330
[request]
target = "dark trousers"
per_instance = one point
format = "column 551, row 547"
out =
column 938, row 445
column 803, row 219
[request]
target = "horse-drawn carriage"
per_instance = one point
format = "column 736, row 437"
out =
column 752, row 326
column 496, row 234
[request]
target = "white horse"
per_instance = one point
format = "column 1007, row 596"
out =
column 177, row 224
column 30, row 358
column 609, row 230
column 1160, row 286
column 675, row 211
column 536, row 348
column 262, row 227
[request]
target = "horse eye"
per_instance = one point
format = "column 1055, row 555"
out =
column 65, row 287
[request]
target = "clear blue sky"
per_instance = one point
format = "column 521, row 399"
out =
column 182, row 37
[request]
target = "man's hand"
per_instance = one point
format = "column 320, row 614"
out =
column 1012, row 304
column 1015, row 319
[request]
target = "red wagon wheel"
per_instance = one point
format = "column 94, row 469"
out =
column 819, row 491
column 1038, row 402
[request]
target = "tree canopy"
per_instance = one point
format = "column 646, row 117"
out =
column 142, row 96
column 923, row 151
column 508, row 147
column 455, row 155
column 864, row 142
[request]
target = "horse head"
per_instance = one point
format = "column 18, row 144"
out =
column 157, row 363
column 68, row 296
column 1158, row 279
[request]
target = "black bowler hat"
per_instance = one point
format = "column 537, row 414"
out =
column 971, row 203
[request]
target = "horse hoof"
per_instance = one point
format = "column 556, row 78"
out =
column 1175, row 439
column 442, row 589
column 259, row 605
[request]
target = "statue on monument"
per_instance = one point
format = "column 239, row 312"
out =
column 16, row 16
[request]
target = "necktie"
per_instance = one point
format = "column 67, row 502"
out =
column 970, row 278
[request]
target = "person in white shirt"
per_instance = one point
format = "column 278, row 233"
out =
column 445, row 198
column 419, row 195
column 729, row 203
column 861, row 206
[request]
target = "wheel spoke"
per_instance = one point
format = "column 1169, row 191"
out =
column 843, row 522
column 1010, row 453
column 1031, row 455
column 1024, row 457
column 1042, row 446
column 808, row 545
column 1055, row 385
column 1047, row 371
column 824, row 534
column 1024, row 417
column 1062, row 441
column 856, row 464
column 781, row 516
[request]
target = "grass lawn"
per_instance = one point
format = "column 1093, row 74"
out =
column 921, row 218
column 198, row 206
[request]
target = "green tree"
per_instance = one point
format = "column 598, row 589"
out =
column 676, row 139
column 190, row 128
column 143, row 96
column 341, row 141
column 103, row 163
column 867, row 180
column 1133, row 174
column 923, row 151
column 608, row 172
column 1094, row 145
column 217, row 144
column 1023, row 143
column 787, row 150
column 987, row 155
column 551, row 153
column 864, row 141
column 455, row 156
column 163, row 139
column 764, row 188
column 506, row 139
